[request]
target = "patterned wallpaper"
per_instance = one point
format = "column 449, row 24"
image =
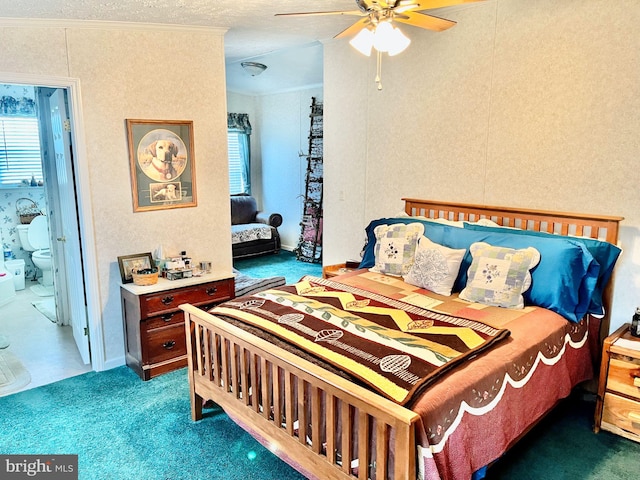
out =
column 530, row 104
column 118, row 67
column 9, row 220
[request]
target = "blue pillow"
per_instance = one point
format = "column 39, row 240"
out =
column 432, row 230
column 605, row 253
column 563, row 281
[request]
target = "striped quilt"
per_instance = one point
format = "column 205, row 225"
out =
column 395, row 347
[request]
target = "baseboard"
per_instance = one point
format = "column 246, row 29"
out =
column 113, row 363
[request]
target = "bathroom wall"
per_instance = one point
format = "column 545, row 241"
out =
column 9, row 219
column 13, row 197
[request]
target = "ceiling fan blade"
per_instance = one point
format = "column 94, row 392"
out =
column 353, row 29
column 338, row 12
column 423, row 20
column 430, row 4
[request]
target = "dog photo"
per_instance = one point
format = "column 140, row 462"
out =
column 165, row 192
column 162, row 155
column 162, row 160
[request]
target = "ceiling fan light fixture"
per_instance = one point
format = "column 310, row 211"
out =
column 363, row 41
column 383, row 36
column 399, row 43
column 253, row 68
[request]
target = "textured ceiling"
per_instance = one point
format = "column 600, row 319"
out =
column 289, row 46
column 253, row 30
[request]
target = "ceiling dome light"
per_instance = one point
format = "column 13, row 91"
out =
column 253, row 68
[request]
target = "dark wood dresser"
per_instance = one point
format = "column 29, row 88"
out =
column 154, row 331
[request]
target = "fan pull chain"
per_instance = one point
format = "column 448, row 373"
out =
column 379, row 70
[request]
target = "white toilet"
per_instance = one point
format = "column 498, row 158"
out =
column 7, row 288
column 35, row 238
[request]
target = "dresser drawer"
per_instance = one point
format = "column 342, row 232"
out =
column 171, row 299
column 165, row 320
column 623, row 414
column 623, row 371
column 165, row 343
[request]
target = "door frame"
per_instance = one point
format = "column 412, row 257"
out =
column 85, row 211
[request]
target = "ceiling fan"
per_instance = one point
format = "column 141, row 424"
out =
column 375, row 29
column 375, row 12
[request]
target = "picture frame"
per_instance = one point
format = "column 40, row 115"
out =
column 127, row 263
column 162, row 163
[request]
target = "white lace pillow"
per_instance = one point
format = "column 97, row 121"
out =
column 396, row 247
column 498, row 275
column 435, row 267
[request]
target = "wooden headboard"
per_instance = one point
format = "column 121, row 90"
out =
column 603, row 227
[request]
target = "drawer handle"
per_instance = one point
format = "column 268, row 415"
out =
column 169, row 344
column 167, row 300
column 167, row 316
column 212, row 290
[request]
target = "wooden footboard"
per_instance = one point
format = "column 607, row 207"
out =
column 323, row 425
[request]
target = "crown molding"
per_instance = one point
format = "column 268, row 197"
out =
column 105, row 25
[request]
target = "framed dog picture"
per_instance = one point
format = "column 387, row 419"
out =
column 163, row 169
column 139, row 261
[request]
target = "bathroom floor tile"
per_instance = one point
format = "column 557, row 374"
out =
column 47, row 350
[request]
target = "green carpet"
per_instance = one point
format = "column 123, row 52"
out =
column 124, row 429
column 282, row 264
column 563, row 447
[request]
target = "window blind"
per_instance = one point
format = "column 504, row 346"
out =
column 20, row 157
column 237, row 183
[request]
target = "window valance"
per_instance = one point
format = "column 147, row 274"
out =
column 25, row 107
column 239, row 122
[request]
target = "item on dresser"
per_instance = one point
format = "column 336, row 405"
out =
column 129, row 263
column 145, row 276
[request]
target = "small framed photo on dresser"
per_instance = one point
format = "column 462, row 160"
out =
column 128, row 263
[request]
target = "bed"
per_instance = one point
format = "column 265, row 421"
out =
column 329, row 421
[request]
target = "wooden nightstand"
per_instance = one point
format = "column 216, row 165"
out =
column 155, row 340
column 618, row 404
column 339, row 268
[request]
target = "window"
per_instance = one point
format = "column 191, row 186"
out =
column 238, row 132
column 20, row 157
column 238, row 163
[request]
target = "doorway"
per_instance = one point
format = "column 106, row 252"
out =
column 69, row 211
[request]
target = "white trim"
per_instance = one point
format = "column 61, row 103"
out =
column 104, row 25
column 85, row 211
